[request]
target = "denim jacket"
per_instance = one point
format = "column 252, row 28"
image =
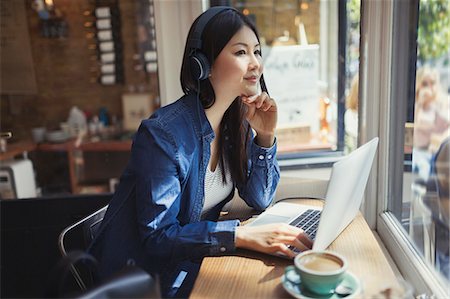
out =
column 154, row 218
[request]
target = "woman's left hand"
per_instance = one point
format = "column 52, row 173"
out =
column 262, row 117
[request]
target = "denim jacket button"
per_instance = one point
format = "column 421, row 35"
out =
column 269, row 157
column 223, row 249
column 261, row 157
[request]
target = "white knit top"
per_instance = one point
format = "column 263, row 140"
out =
column 215, row 190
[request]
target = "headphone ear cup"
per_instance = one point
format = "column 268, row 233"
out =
column 199, row 66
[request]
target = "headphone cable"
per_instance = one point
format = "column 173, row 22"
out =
column 199, row 118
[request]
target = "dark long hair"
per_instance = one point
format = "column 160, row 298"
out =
column 216, row 35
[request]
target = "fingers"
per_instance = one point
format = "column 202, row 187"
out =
column 305, row 239
column 262, row 101
column 285, row 250
column 301, row 241
column 272, row 238
column 291, row 235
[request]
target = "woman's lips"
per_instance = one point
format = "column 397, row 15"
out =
column 252, row 79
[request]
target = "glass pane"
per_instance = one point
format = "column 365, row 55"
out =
column 426, row 185
column 301, row 48
column 352, row 75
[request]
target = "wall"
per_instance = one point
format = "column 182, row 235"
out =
column 66, row 70
column 173, row 20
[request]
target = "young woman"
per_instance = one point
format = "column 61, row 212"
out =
column 188, row 158
column 431, row 119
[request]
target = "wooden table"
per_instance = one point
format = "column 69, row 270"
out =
column 250, row 274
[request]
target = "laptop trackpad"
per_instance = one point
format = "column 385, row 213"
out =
column 269, row 218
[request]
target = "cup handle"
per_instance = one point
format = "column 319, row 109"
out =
column 288, row 270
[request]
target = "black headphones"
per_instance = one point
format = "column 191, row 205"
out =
column 199, row 64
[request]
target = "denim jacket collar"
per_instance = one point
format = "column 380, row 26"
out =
column 202, row 126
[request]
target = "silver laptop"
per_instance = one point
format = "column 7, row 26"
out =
column 343, row 198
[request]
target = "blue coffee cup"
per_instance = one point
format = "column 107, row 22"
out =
column 320, row 271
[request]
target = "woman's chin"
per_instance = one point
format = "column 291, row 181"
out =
column 250, row 91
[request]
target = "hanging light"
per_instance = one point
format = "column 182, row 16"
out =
column 49, row 4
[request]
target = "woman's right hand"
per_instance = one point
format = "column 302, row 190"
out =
column 272, row 238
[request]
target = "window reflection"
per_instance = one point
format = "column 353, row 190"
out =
column 426, row 202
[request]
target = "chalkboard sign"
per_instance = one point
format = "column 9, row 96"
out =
column 16, row 61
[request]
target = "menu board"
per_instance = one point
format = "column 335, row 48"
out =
column 16, row 61
column 291, row 74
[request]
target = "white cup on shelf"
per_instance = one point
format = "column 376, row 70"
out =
column 38, row 134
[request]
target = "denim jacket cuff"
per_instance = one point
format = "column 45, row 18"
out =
column 223, row 237
column 264, row 156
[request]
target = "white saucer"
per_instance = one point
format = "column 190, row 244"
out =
column 56, row 136
column 293, row 286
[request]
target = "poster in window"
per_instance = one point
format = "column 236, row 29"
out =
column 291, row 74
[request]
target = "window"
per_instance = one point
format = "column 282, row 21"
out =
column 425, row 209
column 311, row 56
column 408, row 214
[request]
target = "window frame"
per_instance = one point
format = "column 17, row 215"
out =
column 384, row 70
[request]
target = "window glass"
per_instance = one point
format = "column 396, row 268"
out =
column 425, row 209
column 351, row 75
column 302, row 49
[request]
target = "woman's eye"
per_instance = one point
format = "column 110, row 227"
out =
column 258, row 52
column 240, row 52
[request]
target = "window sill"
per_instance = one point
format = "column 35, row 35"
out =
column 409, row 262
column 308, row 160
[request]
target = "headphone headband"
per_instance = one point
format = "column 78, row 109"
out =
column 196, row 41
column 199, row 64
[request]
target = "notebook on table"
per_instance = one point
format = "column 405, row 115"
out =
column 343, row 199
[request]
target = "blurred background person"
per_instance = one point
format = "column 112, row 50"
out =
column 351, row 116
column 431, row 119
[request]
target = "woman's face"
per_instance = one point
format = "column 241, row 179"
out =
column 238, row 67
column 427, row 91
column 428, row 80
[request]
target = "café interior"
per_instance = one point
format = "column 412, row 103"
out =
column 79, row 76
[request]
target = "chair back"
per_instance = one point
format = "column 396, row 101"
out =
column 78, row 236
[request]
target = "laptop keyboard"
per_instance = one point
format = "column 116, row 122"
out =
column 309, row 222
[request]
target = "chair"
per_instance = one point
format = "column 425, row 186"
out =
column 130, row 282
column 78, row 236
